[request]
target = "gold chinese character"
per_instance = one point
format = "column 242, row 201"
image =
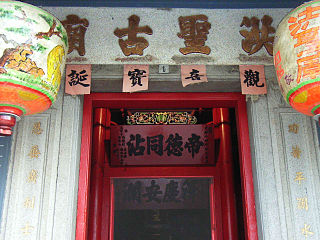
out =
column 299, row 177
column 37, row 128
column 32, row 177
column 306, row 230
column 34, row 152
column 303, row 203
column 76, row 29
column 294, row 128
column 26, row 230
column 296, row 152
column 29, row 202
column 194, row 30
column 133, row 44
column 257, row 38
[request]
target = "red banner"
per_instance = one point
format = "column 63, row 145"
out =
column 145, row 145
column 78, row 79
column 135, row 78
column 191, row 74
column 253, row 80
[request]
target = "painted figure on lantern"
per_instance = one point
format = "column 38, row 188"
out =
column 33, row 49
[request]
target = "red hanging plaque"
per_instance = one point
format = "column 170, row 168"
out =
column 146, row 145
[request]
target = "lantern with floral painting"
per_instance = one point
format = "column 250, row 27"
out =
column 33, row 48
column 297, row 58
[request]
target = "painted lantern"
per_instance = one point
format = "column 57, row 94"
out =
column 296, row 54
column 33, row 48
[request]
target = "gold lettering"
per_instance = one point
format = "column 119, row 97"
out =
column 29, row 202
column 303, row 203
column 294, row 128
column 26, row 230
column 36, row 129
column 32, row 177
column 306, row 230
column 299, row 177
column 296, row 152
column 34, row 152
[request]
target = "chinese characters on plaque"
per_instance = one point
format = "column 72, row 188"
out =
column 161, row 193
column 252, row 79
column 135, row 78
column 78, row 79
column 163, row 144
column 191, row 74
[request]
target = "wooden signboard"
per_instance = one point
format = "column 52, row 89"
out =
column 161, row 193
column 145, row 145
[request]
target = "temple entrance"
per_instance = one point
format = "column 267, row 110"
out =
column 166, row 167
column 162, row 208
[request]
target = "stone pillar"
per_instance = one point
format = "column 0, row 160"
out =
column 285, row 152
column 42, row 181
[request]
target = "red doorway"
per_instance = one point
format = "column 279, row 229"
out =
column 101, row 225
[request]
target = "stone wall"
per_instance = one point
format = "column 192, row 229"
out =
column 285, row 151
column 41, row 193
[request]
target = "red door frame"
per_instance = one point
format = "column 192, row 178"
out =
column 163, row 100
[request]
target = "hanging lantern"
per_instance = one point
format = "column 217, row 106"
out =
column 296, row 54
column 33, row 48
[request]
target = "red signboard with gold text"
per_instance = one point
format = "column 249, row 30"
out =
column 162, row 145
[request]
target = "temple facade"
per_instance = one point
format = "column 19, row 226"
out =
column 49, row 171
